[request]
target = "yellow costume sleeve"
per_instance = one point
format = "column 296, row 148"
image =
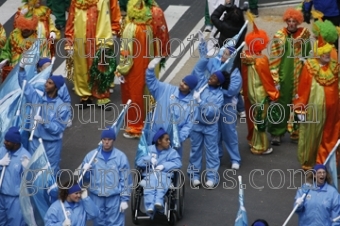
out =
column 103, row 30
column 2, row 36
column 51, row 25
column 126, row 49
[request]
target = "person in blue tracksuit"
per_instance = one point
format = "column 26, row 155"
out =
column 78, row 206
column 321, row 203
column 209, row 97
column 110, row 180
column 228, row 118
column 13, row 160
column 63, row 93
column 53, row 117
column 164, row 159
column 172, row 99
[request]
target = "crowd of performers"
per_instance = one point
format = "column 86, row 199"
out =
column 299, row 71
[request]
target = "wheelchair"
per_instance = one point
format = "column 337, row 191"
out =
column 173, row 200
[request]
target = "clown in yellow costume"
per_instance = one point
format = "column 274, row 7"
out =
column 134, row 62
column 318, row 88
column 90, row 22
column 45, row 28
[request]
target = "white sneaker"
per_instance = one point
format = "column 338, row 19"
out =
column 142, row 183
column 111, row 90
column 242, row 114
column 196, row 182
column 235, row 166
column 150, row 211
column 269, row 150
column 209, row 184
column 208, row 28
column 159, row 206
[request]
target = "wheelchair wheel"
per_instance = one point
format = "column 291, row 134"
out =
column 180, row 200
column 173, row 218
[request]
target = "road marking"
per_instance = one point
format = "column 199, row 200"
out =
column 7, row 9
column 186, row 56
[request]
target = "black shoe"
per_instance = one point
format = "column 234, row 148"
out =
column 255, row 12
column 60, row 27
column 86, row 103
column 107, row 107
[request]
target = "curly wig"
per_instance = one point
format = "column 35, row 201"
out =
column 293, row 13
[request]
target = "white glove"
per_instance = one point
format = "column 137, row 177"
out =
column 23, row 11
column 84, row 194
column 70, row 52
column 197, row 96
column 24, row 161
column 3, row 63
column 154, row 62
column 159, row 167
column 67, row 222
column 200, row 36
column 123, row 206
column 53, row 35
column 5, row 160
column 277, row 87
column 69, row 123
column 154, row 161
column 39, row 119
column 301, row 117
column 87, row 166
column 22, row 63
column 299, row 201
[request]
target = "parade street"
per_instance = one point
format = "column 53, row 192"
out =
column 269, row 181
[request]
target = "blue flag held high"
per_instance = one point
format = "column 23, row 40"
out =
column 38, row 188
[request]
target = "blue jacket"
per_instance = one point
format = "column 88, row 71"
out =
column 328, row 7
column 320, row 207
column 231, row 94
column 54, row 113
column 211, row 98
column 169, row 158
column 12, row 177
column 82, row 211
column 111, row 177
column 167, row 96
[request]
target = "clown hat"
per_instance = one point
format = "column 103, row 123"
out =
column 326, row 29
column 27, row 22
column 293, row 13
column 258, row 39
column 323, row 46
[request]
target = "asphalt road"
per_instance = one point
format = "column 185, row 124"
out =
column 269, row 185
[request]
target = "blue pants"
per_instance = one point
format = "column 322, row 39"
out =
column 204, row 136
column 10, row 211
column 240, row 103
column 156, row 188
column 109, row 210
column 53, row 150
column 229, row 137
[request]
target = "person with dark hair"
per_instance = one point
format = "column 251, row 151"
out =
column 209, row 98
column 230, row 25
column 111, row 191
column 13, row 161
column 321, row 203
column 260, row 222
column 74, row 207
column 164, row 159
column 168, row 97
column 52, row 118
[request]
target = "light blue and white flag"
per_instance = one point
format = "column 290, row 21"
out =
column 330, row 164
column 241, row 217
column 38, row 188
